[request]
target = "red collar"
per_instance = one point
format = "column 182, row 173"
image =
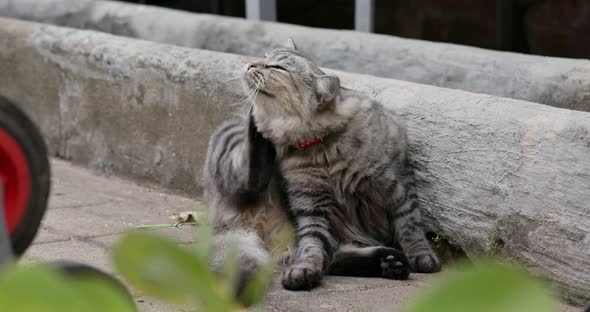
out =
column 307, row 144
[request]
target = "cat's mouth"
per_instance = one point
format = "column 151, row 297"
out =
column 255, row 81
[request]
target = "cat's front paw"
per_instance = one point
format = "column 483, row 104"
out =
column 425, row 263
column 301, row 276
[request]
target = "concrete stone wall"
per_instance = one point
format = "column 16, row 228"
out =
column 552, row 81
column 499, row 176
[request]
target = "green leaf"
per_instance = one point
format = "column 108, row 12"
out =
column 100, row 295
column 42, row 289
column 164, row 270
column 203, row 240
column 35, row 289
column 486, row 287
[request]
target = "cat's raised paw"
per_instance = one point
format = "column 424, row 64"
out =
column 427, row 263
column 301, row 277
column 395, row 267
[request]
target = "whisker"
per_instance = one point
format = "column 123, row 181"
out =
column 224, row 70
column 251, row 102
column 221, row 84
column 239, row 102
column 243, row 99
column 216, row 88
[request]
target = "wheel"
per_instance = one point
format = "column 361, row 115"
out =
column 74, row 270
column 24, row 175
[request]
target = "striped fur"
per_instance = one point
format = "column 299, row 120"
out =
column 351, row 198
column 243, row 210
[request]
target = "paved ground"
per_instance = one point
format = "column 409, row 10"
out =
column 87, row 214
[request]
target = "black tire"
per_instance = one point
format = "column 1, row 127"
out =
column 74, row 270
column 16, row 123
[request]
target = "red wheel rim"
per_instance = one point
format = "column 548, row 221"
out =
column 15, row 180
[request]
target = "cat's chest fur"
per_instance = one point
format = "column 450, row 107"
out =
column 359, row 161
column 357, row 165
column 359, row 176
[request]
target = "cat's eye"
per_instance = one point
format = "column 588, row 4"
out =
column 277, row 67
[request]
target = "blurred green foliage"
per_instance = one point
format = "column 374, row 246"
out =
column 41, row 288
column 486, row 286
column 162, row 269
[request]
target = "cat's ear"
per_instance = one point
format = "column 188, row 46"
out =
column 290, row 44
column 328, row 87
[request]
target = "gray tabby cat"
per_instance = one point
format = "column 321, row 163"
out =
column 327, row 160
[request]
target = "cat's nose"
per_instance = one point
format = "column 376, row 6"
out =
column 250, row 66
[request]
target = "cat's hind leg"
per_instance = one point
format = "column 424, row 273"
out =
column 376, row 261
column 245, row 244
column 240, row 162
column 237, row 175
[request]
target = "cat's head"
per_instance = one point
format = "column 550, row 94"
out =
column 289, row 87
